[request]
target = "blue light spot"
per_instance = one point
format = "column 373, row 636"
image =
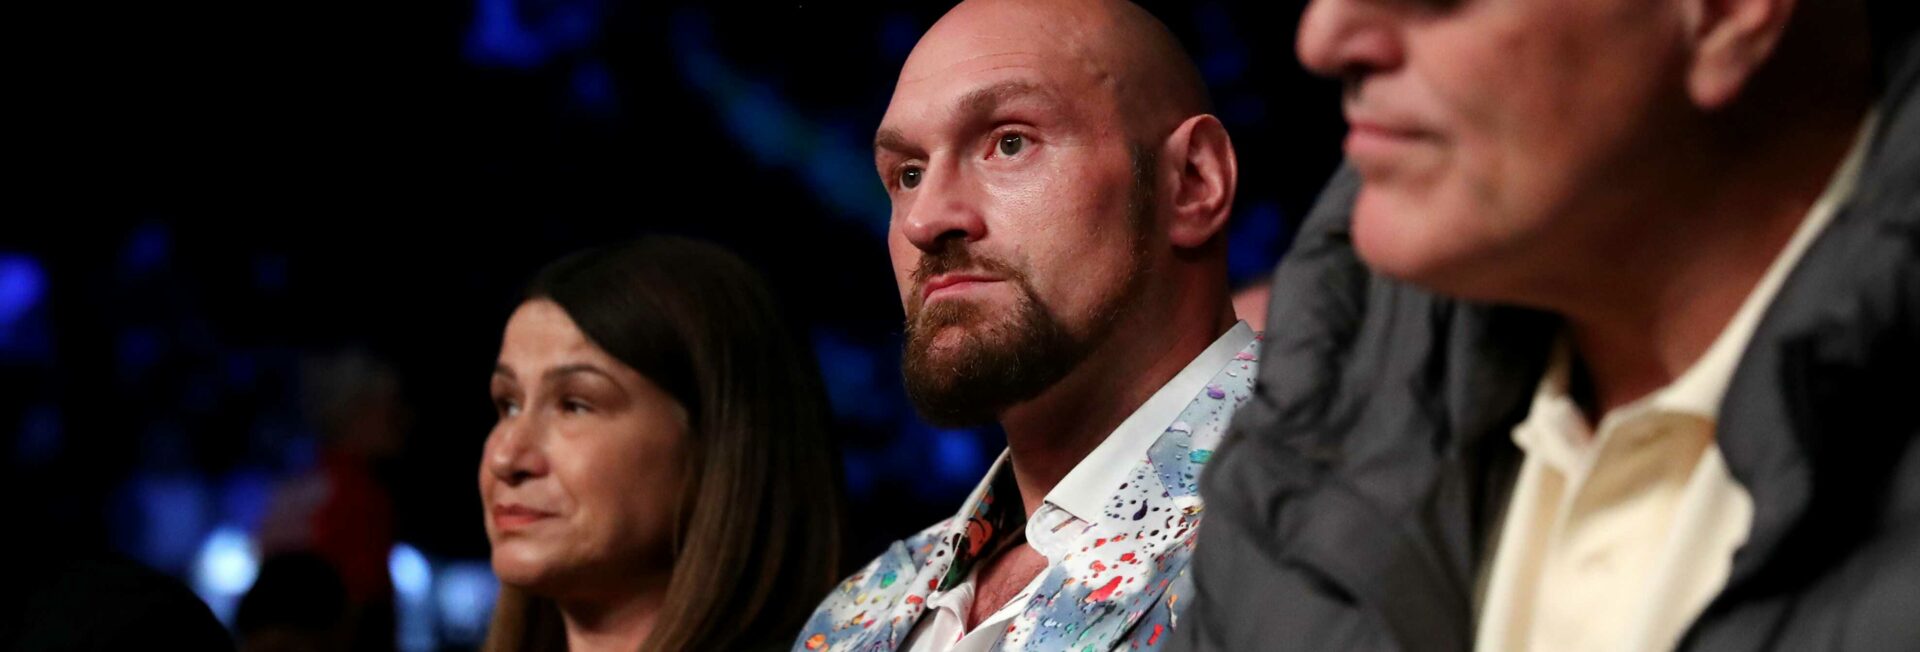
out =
column 173, row 511
column 507, row 34
column 497, row 37
column 412, row 575
column 464, row 594
column 25, row 335
column 22, row 285
column 226, row 565
column 956, row 457
column 412, row 584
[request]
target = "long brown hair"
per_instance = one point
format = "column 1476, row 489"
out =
column 759, row 526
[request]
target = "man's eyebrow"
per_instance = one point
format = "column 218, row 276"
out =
column 891, row 140
column 975, row 104
column 984, row 100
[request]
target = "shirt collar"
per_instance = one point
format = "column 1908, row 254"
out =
column 1091, row 482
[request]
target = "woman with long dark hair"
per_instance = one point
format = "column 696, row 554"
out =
column 660, row 476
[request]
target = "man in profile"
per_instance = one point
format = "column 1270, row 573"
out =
column 1606, row 341
column 1059, row 193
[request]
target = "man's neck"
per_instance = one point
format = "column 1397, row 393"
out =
column 1049, row 435
column 1654, row 317
column 621, row 623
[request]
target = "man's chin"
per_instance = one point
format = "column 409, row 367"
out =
column 944, row 388
column 1390, row 235
column 951, row 344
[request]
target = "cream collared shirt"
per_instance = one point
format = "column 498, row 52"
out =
column 1074, row 504
column 1617, row 537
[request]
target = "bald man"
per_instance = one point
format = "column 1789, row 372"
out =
column 1059, row 195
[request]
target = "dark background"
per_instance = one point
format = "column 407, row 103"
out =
column 219, row 192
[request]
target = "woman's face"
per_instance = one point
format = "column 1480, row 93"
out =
column 583, row 470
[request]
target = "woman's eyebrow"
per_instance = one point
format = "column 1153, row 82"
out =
column 576, row 368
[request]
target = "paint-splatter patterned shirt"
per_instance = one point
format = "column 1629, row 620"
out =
column 1116, row 532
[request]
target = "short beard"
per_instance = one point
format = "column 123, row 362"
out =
column 997, row 364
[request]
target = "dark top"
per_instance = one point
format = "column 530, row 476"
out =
column 82, row 602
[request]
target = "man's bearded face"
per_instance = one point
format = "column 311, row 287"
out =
column 966, row 360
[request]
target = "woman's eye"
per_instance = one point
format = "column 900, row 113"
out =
column 910, row 177
column 1011, row 144
column 506, row 408
column 575, row 407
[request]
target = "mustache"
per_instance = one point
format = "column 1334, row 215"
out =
column 954, row 256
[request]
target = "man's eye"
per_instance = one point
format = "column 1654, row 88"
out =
column 1011, row 144
column 910, row 177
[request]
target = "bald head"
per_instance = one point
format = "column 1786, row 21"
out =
column 1109, row 47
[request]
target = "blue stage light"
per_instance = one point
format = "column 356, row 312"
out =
column 412, row 575
column 227, row 563
column 464, row 593
column 22, row 285
column 224, row 570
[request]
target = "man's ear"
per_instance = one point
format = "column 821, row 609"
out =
column 1731, row 40
column 1206, row 175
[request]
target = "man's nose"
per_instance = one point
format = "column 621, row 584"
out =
column 514, row 453
column 945, row 206
column 1350, row 38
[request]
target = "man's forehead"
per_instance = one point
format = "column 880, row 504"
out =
column 940, row 89
column 958, row 93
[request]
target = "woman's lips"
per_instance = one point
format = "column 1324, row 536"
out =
column 513, row 517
